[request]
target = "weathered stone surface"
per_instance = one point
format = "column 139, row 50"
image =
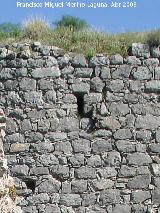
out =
column 116, row 59
column 79, row 186
column 50, row 97
column 102, row 184
column 79, row 61
column 125, row 146
column 142, row 73
column 122, row 72
column 151, row 62
column 49, row 185
column 119, row 109
column 56, row 136
column 110, row 196
column 122, row 208
column 97, row 84
column 69, row 124
column 85, row 173
column 139, row 159
column 112, row 158
column 99, row 60
column 100, row 146
column 123, row 134
column 18, row 147
column 104, row 72
column 156, row 196
column 27, row 84
column 33, row 98
column 127, row 171
column 140, row 50
column 20, row 170
column 140, row 196
column 81, row 146
column 155, row 169
column 109, row 123
column 152, row 86
column 70, row 200
column 116, row 86
column 81, row 88
column 139, row 182
column 132, row 60
column 83, row 72
column 147, row 122
column 45, row 72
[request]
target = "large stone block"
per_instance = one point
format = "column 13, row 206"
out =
column 53, row 72
column 147, row 122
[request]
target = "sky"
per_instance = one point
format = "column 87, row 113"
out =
column 145, row 16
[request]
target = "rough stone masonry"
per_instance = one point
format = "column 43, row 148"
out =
column 82, row 136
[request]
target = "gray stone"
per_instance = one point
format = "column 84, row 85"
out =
column 157, row 73
column 11, row 126
column 52, row 208
column 6, row 74
column 144, row 135
column 63, row 147
column 85, row 172
column 26, row 125
column 68, row 124
column 49, row 186
column 139, row 159
column 138, row 209
column 97, row 84
column 70, row 99
column 45, row 84
column 110, row 196
column 151, row 62
column 109, row 123
column 121, row 208
column 43, row 125
column 116, row 59
column 156, row 182
column 99, row 60
column 107, row 172
column 101, row 145
column 88, row 199
column 94, row 161
column 112, row 158
column 20, row 170
column 35, row 136
column 158, row 136
column 140, row 50
column 152, row 86
column 10, row 85
column 76, row 160
column 79, row 186
column 155, row 52
column 133, row 60
column 14, row 138
column 81, row 146
column 121, row 72
column 33, row 98
column 81, row 88
column 105, row 72
column 27, row 84
column 116, row 86
column 39, row 171
column 50, row 97
column 127, row 171
column 147, row 122
column 37, row 199
column 155, row 148
column 156, row 196
column 53, row 72
column 83, row 72
column 119, row 109
column 140, row 196
column 70, row 200
column 136, row 86
column 102, row 184
column 60, row 172
column 19, row 147
column 48, row 160
column 125, row 146
column 122, row 134
column 139, row 182
column 155, row 168
column 142, row 73
column 56, row 136
column 35, row 115
column 79, row 61
column 42, row 147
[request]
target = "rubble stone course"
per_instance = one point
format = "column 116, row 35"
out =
column 82, row 136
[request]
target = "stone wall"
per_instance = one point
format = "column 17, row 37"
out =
column 82, row 136
column 7, row 187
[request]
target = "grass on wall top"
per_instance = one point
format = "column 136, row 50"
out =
column 85, row 40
